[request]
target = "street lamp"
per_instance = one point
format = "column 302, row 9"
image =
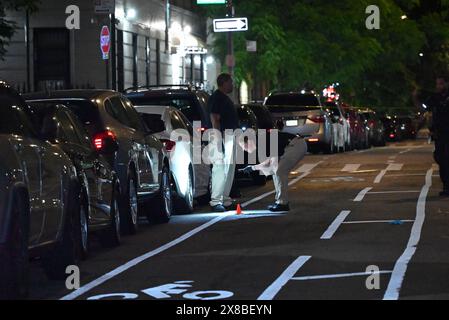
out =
column 404, row 17
column 131, row 14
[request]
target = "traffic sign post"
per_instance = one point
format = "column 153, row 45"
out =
column 105, row 45
column 231, row 25
column 105, row 42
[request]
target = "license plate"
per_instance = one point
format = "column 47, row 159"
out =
column 292, row 123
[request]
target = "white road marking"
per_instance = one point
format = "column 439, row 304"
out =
column 395, row 167
column 341, row 275
column 376, row 221
column 400, row 268
column 380, row 176
column 271, row 292
column 351, row 168
column 132, row 263
column 335, row 225
column 391, row 167
column 362, row 194
column 393, row 192
column 307, row 167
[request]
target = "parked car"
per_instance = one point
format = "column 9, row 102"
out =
column 358, row 130
column 341, row 125
column 392, row 128
column 263, row 116
column 408, row 126
column 377, row 130
column 39, row 200
column 248, row 120
column 190, row 101
column 100, row 188
column 135, row 154
column 190, row 177
column 298, row 109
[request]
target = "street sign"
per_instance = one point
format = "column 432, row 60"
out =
column 105, row 42
column 231, row 25
column 251, row 46
column 104, row 6
column 210, row 1
column 195, row 50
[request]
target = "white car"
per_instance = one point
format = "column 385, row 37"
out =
column 191, row 180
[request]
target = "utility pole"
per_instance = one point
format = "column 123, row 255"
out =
column 113, row 56
column 230, row 60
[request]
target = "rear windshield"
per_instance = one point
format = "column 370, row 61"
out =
column 185, row 104
column 86, row 111
column 264, row 119
column 293, row 100
column 286, row 109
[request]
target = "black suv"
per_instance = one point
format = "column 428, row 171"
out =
column 138, row 158
column 191, row 101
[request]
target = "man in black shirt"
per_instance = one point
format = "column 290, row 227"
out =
column 224, row 118
column 291, row 149
column 439, row 104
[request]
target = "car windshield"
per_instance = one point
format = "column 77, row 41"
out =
column 304, row 100
column 184, row 104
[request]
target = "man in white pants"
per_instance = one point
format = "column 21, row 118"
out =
column 291, row 150
column 224, row 118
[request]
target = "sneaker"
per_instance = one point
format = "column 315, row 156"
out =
column 279, row 208
column 218, row 208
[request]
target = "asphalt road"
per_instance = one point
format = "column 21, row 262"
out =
column 363, row 225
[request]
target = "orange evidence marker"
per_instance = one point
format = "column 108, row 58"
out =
column 239, row 209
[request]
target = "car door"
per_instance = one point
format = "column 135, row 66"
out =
column 148, row 150
column 97, row 175
column 27, row 153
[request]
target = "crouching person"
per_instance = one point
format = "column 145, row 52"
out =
column 291, row 150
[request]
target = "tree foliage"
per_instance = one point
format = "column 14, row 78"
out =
column 323, row 42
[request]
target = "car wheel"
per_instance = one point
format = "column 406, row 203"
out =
column 14, row 259
column 84, row 227
column 111, row 237
column 185, row 205
column 165, row 199
column 130, row 209
column 66, row 251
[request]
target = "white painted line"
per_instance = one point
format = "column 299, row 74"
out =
column 362, row 194
column 380, row 176
column 393, row 192
column 271, row 292
column 342, row 275
column 335, row 225
column 376, row 221
column 307, row 167
column 405, row 151
column 140, row 259
column 351, row 168
column 400, row 268
column 99, row 281
column 405, row 175
column 395, row 167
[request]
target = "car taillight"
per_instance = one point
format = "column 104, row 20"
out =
column 392, row 135
column 203, row 129
column 316, row 118
column 100, row 139
column 371, row 123
column 168, row 145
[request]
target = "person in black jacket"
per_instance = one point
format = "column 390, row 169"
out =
column 439, row 104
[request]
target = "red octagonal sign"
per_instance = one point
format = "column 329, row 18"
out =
column 105, row 42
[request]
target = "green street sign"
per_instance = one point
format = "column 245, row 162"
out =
column 210, row 1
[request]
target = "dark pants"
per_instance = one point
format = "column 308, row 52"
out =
column 442, row 158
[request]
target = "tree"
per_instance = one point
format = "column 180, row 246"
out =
column 8, row 27
column 323, row 42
